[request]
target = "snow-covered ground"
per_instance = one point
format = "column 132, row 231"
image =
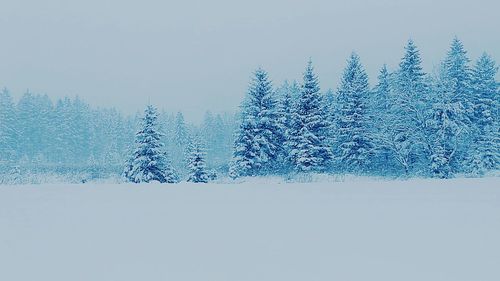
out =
column 421, row 230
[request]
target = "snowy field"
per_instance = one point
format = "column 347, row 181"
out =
column 403, row 231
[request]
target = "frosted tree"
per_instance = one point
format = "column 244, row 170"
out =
column 380, row 114
column 80, row 124
column 149, row 162
column 287, row 95
column 445, row 127
column 485, row 152
column 27, row 125
column 196, row 163
column 8, row 136
column 245, row 155
column 458, row 83
column 166, row 122
column 224, row 127
column 217, row 134
column 181, row 132
column 63, row 132
column 171, row 175
column 380, row 98
column 180, row 141
column 308, row 143
column 207, row 129
column 406, row 137
column 458, row 74
column 257, row 143
column 354, row 137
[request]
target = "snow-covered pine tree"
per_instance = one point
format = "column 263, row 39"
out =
column 8, row 137
column 196, row 163
column 179, row 144
column 28, row 125
column 485, row 150
column 207, row 130
column 149, row 162
column 458, row 72
column 379, row 111
column 181, row 132
column 62, row 143
column 286, row 106
column 171, row 175
column 245, row 160
column 445, row 127
column 458, row 82
column 308, row 143
column 354, row 137
column 257, row 146
column 406, row 137
column 222, row 142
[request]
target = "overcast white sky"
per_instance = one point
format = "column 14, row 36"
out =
column 198, row 55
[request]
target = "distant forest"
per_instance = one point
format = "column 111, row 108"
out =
column 70, row 139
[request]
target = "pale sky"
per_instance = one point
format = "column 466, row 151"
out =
column 198, row 55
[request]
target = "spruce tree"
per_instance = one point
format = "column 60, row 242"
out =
column 458, row 73
column 485, row 151
column 257, row 146
column 181, row 132
column 380, row 115
column 245, row 160
column 208, row 131
column 354, row 137
column 458, row 82
column 196, row 163
column 445, row 127
column 286, row 106
column 8, row 136
column 406, row 137
column 309, row 150
column 149, row 162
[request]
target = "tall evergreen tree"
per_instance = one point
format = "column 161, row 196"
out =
column 287, row 97
column 27, row 125
column 8, row 134
column 149, row 162
column 445, row 127
column 458, row 74
column 406, row 137
column 309, row 150
column 354, row 140
column 256, row 146
column 207, row 130
column 63, row 132
column 458, row 82
column 380, row 114
column 485, row 152
column 181, row 132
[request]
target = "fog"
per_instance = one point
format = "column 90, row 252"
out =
column 199, row 55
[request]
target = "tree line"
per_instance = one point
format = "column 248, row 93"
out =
column 411, row 124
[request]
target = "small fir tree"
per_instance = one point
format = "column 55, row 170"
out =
column 196, row 163
column 149, row 162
